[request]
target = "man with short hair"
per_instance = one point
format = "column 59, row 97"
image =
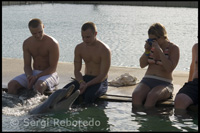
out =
column 44, row 51
column 97, row 58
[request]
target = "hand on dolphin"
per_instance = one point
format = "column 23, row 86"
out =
column 60, row 100
column 82, row 87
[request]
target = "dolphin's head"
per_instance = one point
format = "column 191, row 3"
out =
column 60, row 100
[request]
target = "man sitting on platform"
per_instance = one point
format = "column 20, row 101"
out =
column 188, row 94
column 44, row 50
column 97, row 58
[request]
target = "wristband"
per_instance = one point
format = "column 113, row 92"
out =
column 147, row 53
column 81, row 81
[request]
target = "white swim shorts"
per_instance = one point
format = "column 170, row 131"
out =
column 52, row 80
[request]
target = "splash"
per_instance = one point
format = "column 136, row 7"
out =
column 21, row 104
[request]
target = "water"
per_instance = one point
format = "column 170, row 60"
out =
column 124, row 29
column 104, row 116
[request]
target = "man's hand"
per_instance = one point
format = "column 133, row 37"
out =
column 82, row 87
column 31, row 81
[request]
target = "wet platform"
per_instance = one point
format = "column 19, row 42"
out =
column 13, row 67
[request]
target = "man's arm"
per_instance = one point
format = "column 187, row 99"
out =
column 192, row 63
column 27, row 64
column 27, row 60
column 77, row 64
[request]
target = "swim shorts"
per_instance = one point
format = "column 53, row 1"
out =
column 52, row 80
column 92, row 92
column 153, row 81
column 191, row 89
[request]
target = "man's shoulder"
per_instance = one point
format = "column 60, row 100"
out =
column 51, row 39
column 103, row 45
column 195, row 45
column 80, row 45
column 28, row 40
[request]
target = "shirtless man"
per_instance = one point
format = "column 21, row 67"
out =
column 44, row 50
column 161, row 56
column 97, row 58
column 188, row 94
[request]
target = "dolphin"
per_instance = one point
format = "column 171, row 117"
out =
column 60, row 100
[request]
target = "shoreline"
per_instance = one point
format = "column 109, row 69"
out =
column 12, row 67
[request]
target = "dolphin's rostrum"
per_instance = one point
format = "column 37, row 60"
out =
column 60, row 100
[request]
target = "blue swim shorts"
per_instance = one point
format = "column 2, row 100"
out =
column 191, row 89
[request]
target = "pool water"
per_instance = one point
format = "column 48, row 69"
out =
column 122, row 28
column 105, row 116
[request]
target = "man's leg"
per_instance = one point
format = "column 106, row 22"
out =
column 182, row 101
column 95, row 91
column 16, row 83
column 13, row 87
column 46, row 82
column 40, row 86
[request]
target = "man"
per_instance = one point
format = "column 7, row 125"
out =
column 97, row 58
column 44, row 50
column 188, row 94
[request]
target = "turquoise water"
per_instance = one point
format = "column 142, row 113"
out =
column 124, row 29
column 105, row 116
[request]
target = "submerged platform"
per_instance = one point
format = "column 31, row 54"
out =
column 123, row 94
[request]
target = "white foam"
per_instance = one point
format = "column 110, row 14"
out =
column 21, row 105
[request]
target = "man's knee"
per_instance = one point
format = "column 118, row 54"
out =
column 182, row 101
column 40, row 86
column 90, row 97
column 179, row 102
column 13, row 87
